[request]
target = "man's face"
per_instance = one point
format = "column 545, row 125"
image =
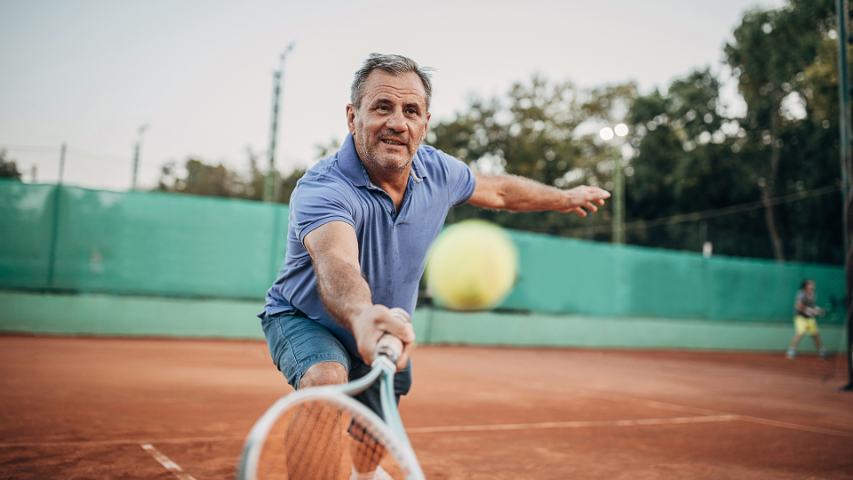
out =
column 809, row 287
column 391, row 121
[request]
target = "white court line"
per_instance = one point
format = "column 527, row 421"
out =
column 167, row 463
column 656, row 404
column 794, row 426
column 575, row 424
column 745, row 418
column 118, row 441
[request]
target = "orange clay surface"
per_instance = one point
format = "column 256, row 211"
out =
column 84, row 407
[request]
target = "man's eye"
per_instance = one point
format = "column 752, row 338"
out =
column 412, row 111
column 383, row 108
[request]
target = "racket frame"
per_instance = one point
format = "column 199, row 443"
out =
column 391, row 432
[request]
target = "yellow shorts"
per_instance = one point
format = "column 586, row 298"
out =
column 805, row 325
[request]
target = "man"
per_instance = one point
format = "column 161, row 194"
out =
column 360, row 225
column 805, row 321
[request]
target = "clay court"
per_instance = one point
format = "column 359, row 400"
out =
column 151, row 408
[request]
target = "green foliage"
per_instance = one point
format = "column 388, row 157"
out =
column 684, row 162
column 200, row 178
column 323, row 150
column 8, row 167
column 778, row 57
column 541, row 130
column 688, row 162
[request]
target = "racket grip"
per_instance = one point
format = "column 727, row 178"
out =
column 389, row 345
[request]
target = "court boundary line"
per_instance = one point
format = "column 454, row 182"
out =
column 413, row 430
column 119, row 441
column 704, row 416
column 746, row 418
column 574, row 424
column 439, row 429
column 794, row 426
column 166, row 462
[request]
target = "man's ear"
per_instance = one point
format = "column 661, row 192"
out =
column 351, row 118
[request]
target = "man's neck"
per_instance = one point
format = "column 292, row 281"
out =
column 392, row 182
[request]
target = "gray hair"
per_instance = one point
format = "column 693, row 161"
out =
column 393, row 64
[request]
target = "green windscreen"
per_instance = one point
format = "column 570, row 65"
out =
column 138, row 242
column 149, row 243
column 560, row 275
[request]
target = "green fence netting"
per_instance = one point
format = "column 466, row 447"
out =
column 561, row 275
column 149, row 243
column 75, row 239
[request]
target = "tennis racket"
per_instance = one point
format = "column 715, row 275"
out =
column 324, row 433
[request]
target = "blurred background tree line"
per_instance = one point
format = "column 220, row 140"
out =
column 762, row 183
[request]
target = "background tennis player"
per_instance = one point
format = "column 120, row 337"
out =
column 806, row 312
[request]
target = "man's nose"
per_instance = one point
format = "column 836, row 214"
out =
column 396, row 121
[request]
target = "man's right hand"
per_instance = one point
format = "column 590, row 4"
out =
column 370, row 324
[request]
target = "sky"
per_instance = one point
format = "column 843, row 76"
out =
column 198, row 73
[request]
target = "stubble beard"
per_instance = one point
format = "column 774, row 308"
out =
column 373, row 157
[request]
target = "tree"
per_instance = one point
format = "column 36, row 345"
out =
column 540, row 130
column 685, row 162
column 200, row 178
column 8, row 167
column 323, row 150
column 770, row 52
column 689, row 157
column 196, row 177
column 686, row 156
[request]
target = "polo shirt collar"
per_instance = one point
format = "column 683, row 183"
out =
column 351, row 166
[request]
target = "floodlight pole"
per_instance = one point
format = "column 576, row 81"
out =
column 62, row 151
column 609, row 135
column 271, row 182
column 54, row 224
column 137, row 152
column 843, row 11
column 618, row 201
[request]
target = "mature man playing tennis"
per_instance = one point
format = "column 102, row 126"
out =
column 361, row 222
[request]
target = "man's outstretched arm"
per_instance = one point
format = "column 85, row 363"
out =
column 519, row 194
column 346, row 295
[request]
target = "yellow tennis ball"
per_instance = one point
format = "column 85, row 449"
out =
column 471, row 266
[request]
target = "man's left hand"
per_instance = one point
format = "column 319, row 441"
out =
column 584, row 200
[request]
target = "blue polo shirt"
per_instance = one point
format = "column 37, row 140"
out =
column 392, row 245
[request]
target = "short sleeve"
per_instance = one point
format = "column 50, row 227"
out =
column 316, row 202
column 460, row 179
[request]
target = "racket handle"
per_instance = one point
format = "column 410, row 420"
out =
column 389, row 345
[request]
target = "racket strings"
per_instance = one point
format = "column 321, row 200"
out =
column 318, row 440
column 366, row 450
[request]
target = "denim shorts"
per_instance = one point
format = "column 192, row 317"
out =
column 296, row 343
